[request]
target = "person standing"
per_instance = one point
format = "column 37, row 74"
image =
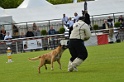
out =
column 70, row 25
column 15, row 30
column 34, row 26
column 120, row 18
column 86, row 17
column 8, row 37
column 110, row 21
column 64, row 19
column 2, row 33
column 37, row 32
column 76, row 17
column 80, row 33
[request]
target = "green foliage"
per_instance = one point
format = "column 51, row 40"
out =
column 117, row 24
column 10, row 3
column 43, row 32
column 61, row 30
column 62, row 1
column 95, row 27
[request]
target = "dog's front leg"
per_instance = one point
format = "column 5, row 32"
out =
column 52, row 60
column 59, row 63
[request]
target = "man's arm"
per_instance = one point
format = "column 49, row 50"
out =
column 87, row 33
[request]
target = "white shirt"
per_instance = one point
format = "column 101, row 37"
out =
column 76, row 18
column 70, row 23
column 7, row 37
column 65, row 19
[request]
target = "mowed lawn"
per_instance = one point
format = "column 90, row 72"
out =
column 105, row 63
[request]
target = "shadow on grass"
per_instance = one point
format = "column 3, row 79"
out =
column 66, row 72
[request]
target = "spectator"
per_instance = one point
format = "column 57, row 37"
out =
column 2, row 33
column 34, row 26
column 109, row 31
column 37, row 32
column 120, row 18
column 51, row 31
column 29, row 33
column 105, row 25
column 76, row 17
column 52, row 38
column 120, row 35
column 122, row 24
column 7, row 36
column 86, row 17
column 70, row 25
column 22, row 35
column 15, row 29
column 64, row 19
column 110, row 21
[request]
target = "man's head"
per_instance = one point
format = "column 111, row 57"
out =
column 63, row 15
column 75, row 14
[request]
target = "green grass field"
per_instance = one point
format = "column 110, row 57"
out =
column 105, row 63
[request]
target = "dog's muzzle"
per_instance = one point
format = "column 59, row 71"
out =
column 64, row 43
column 64, row 47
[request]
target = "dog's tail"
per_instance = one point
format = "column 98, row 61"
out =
column 35, row 58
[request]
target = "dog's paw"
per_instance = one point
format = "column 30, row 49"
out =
column 60, row 68
column 52, row 69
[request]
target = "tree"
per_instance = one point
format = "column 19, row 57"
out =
column 62, row 1
column 10, row 3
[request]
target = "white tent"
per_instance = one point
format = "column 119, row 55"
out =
column 34, row 10
column 4, row 18
column 1, row 11
column 34, row 3
column 6, row 21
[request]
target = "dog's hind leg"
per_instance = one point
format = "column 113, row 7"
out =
column 59, row 63
column 42, row 61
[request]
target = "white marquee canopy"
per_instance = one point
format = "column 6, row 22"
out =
column 35, row 10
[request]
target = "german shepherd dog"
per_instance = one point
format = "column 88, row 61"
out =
column 50, row 57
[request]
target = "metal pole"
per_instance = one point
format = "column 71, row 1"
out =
column 114, row 17
column 92, row 22
column 85, row 5
column 16, row 47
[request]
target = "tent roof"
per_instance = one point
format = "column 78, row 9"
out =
column 1, row 11
column 96, row 7
column 34, row 3
column 34, row 10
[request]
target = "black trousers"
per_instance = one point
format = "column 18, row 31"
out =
column 77, row 49
column 70, row 29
